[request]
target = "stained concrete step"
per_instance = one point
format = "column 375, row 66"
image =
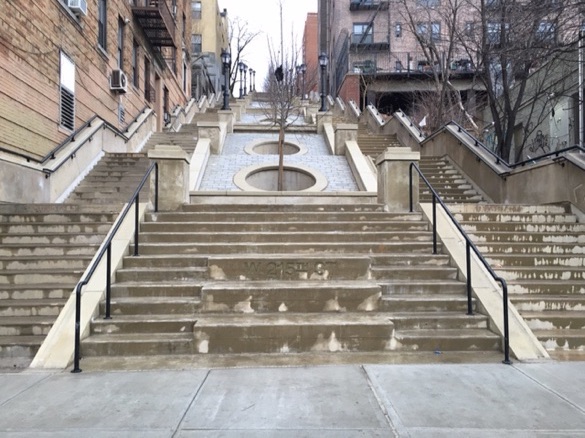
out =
column 283, row 216
column 437, row 320
column 537, row 287
column 398, row 259
column 512, row 209
column 19, row 349
column 285, row 237
column 60, row 217
column 144, row 323
column 535, row 260
column 32, row 263
column 522, row 227
column 559, row 273
column 165, row 261
column 36, row 291
column 31, row 307
column 290, row 247
column 25, row 325
column 422, row 287
column 561, row 339
column 168, row 274
column 49, row 238
column 298, row 207
column 424, row 303
column 532, row 237
column 447, row 340
column 414, row 272
column 544, row 303
column 340, row 226
column 40, row 276
column 154, row 305
column 551, row 319
column 140, row 289
column 56, row 227
column 138, row 344
column 536, row 218
column 529, row 248
column 48, row 250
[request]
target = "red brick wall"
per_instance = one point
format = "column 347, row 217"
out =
column 32, row 35
column 350, row 88
column 311, row 53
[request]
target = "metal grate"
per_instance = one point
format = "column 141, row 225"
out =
column 67, row 110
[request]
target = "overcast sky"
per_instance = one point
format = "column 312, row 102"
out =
column 264, row 16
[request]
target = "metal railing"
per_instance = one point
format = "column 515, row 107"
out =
column 106, row 250
column 469, row 245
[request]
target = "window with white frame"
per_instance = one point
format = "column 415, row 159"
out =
column 363, row 33
column 66, row 92
column 102, row 23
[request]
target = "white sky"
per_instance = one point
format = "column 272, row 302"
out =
column 264, row 16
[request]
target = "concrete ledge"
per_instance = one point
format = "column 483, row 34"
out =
column 240, row 178
column 523, row 344
column 198, row 162
column 58, row 347
column 366, row 179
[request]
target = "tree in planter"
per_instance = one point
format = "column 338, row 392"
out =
column 284, row 106
column 522, row 52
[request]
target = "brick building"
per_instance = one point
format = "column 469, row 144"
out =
column 66, row 63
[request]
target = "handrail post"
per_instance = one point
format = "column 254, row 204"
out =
column 108, row 281
column 434, row 224
column 468, row 258
column 410, row 186
column 155, row 186
column 136, row 204
column 507, row 360
column 77, row 335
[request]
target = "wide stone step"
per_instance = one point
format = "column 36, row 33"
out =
column 138, row 344
column 41, row 276
column 25, row 326
column 153, row 305
column 449, row 191
column 340, row 226
column 522, row 227
column 452, row 198
column 282, row 216
column 533, row 237
column 551, row 319
column 546, row 287
column 414, row 272
column 542, row 302
column 44, row 263
column 433, row 260
column 35, row 291
column 446, row 340
column 58, row 227
column 558, row 273
column 18, row 347
column 513, row 210
column 269, row 333
column 61, row 218
column 289, row 296
column 140, row 289
column 422, row 287
column 535, row 260
column 169, row 274
column 144, row 323
column 325, row 248
column 561, row 339
column 50, row 238
column 232, row 207
column 437, row 320
column 165, row 261
column 561, row 248
column 536, row 218
column 31, row 307
column 286, row 237
column 424, row 303
column 47, row 250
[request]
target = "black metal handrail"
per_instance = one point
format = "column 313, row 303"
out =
column 469, row 246
column 500, row 160
column 107, row 250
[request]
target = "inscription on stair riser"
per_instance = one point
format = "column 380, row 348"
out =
column 290, row 269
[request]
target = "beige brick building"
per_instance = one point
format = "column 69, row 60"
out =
column 66, row 63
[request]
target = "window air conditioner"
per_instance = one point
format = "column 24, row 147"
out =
column 118, row 81
column 78, row 6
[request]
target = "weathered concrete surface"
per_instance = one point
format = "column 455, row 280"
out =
column 428, row 400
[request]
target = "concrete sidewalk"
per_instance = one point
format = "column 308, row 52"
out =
column 437, row 400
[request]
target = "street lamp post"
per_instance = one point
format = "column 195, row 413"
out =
column 323, row 63
column 303, row 71
column 241, row 68
column 245, row 78
column 226, row 59
column 252, row 80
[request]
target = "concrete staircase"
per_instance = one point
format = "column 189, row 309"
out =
column 277, row 278
column 448, row 181
column 45, row 249
column 540, row 252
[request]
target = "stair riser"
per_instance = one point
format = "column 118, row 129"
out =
column 7, row 329
column 537, row 261
column 31, row 310
column 57, row 218
column 285, row 216
column 560, row 288
column 122, row 290
column 411, row 260
column 447, row 305
column 562, row 274
column 549, row 304
column 89, row 228
column 160, row 276
column 428, row 323
column 35, row 278
column 393, row 289
column 545, row 322
column 18, row 351
column 524, row 218
column 566, row 343
column 130, row 348
column 121, row 327
column 144, row 261
column 429, row 273
column 45, row 264
column 527, row 248
column 532, row 238
column 60, row 239
column 234, row 208
column 445, row 344
column 527, row 227
column 48, row 251
column 32, row 293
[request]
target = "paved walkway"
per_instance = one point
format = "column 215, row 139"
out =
column 221, row 168
column 436, row 400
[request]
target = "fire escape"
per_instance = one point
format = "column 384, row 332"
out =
column 158, row 22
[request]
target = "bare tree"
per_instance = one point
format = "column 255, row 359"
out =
column 521, row 49
column 239, row 38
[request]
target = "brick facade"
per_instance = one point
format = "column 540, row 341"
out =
column 33, row 37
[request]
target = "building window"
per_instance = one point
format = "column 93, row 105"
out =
column 135, row 78
column 102, row 23
column 363, row 33
column 430, row 31
column 494, row 31
column 121, row 26
column 148, row 92
column 196, row 43
column 67, row 93
column 469, row 28
column 428, row 3
column 546, row 32
column 398, row 30
column 196, row 10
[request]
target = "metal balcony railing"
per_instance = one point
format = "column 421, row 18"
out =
column 157, row 20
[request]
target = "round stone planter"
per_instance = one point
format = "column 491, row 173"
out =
column 264, row 178
column 270, row 147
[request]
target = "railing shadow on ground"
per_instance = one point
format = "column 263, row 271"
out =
column 469, row 245
column 106, row 249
